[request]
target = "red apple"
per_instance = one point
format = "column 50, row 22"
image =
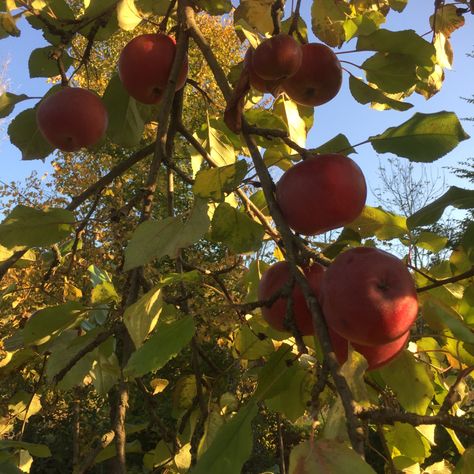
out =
column 273, row 280
column 376, row 356
column 321, row 193
column 145, row 65
column 72, row 118
column 318, row 79
column 259, row 84
column 277, row 58
column 368, row 296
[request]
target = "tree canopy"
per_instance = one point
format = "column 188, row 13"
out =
column 133, row 333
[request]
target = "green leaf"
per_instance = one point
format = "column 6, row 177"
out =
column 37, row 450
column 166, row 343
column 466, row 464
column 127, row 14
column 236, row 230
column 26, row 136
column 391, row 72
column 42, row 63
column 29, row 227
column 454, row 196
column 213, row 183
column 26, row 260
column 374, row 221
column 365, row 94
column 363, row 24
column 141, row 317
column 257, row 13
column 111, row 451
column 405, row 42
column 440, row 316
column 8, row 102
column 423, row 138
column 327, row 19
column 398, row 5
column 431, row 241
column 63, row 349
column 411, row 382
column 105, row 371
column 49, row 321
column 8, row 26
column 338, row 144
column 126, row 124
column 405, row 440
column 326, row 456
column 249, row 347
column 232, row 445
column 104, row 293
column 155, row 239
column 215, row 7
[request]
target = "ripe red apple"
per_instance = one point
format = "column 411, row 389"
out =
column 145, row 64
column 259, row 84
column 72, row 118
column 318, row 79
column 368, row 296
column 376, row 356
column 273, row 280
column 321, row 193
column 277, row 58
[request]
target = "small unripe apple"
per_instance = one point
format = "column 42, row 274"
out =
column 277, row 58
column 273, row 280
column 72, row 118
column 319, row 77
column 321, row 193
column 376, row 356
column 368, row 296
column 145, row 65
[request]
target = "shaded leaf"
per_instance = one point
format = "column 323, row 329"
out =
column 454, row 196
column 338, row 144
column 213, row 183
column 326, row 456
column 37, row 450
column 49, row 321
column 236, row 230
column 365, row 94
column 423, row 138
column 25, row 135
column 30, row 227
column 8, row 102
column 126, row 124
column 411, row 382
column 232, row 445
column 42, row 62
column 155, row 239
column 327, row 20
column 257, row 13
column 166, row 343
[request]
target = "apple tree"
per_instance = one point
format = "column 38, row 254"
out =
column 168, row 307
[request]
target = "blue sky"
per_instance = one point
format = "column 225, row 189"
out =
column 341, row 115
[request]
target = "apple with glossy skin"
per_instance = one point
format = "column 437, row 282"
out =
column 368, row 296
column 318, row 79
column 376, row 356
column 145, row 65
column 273, row 279
column 277, row 58
column 259, row 84
column 72, row 118
column 321, row 193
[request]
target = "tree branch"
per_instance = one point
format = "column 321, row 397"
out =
column 445, row 281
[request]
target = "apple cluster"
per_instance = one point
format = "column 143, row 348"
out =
column 367, row 296
column 310, row 74
column 74, row 117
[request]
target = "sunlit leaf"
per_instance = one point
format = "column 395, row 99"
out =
column 423, row 138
